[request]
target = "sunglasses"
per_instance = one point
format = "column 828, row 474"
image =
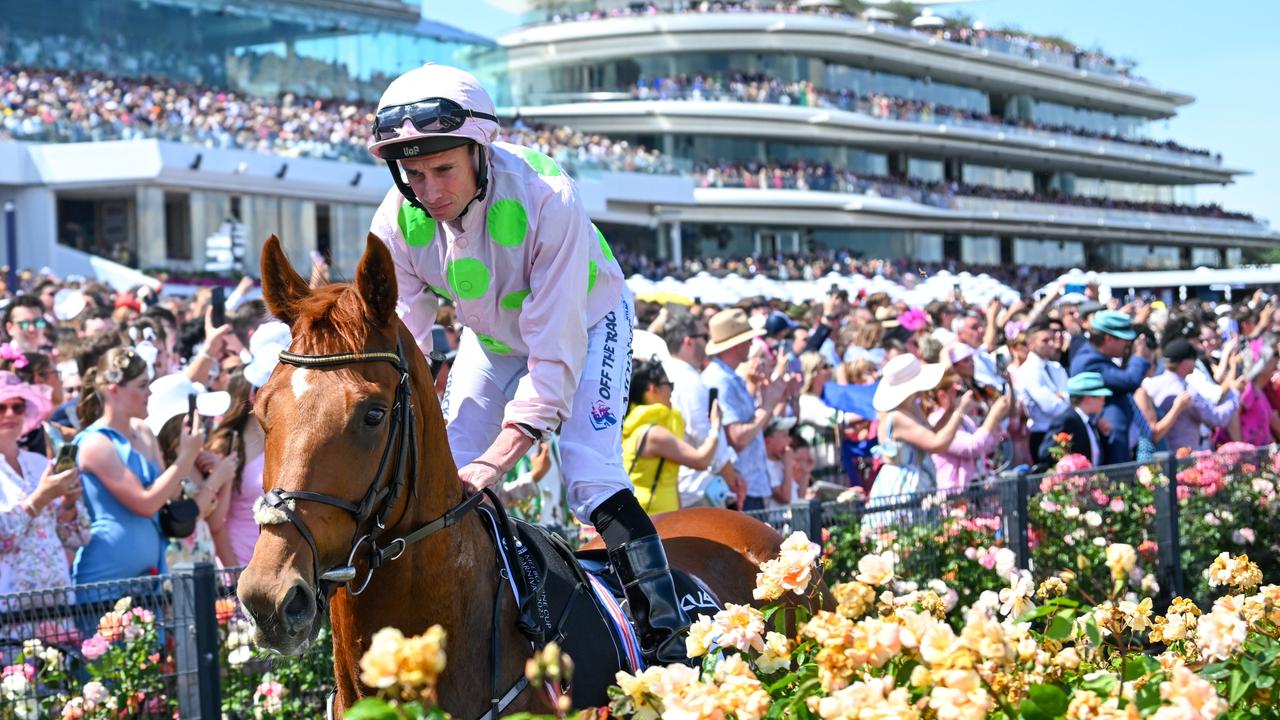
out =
column 433, row 115
column 17, row 408
column 28, row 324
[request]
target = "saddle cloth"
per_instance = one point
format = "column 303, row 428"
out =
column 576, row 601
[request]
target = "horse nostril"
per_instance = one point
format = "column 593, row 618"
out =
column 299, row 607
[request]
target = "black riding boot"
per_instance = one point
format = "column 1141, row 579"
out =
column 637, row 556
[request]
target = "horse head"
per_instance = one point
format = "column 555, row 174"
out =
column 341, row 445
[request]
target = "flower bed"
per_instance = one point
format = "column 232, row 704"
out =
column 873, row 648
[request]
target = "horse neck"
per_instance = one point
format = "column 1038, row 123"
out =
column 447, row 578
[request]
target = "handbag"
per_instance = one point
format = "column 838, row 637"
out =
column 178, row 517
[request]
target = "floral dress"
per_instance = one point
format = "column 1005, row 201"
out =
column 33, row 551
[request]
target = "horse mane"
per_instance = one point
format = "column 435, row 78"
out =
column 332, row 319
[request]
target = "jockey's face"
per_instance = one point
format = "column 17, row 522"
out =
column 444, row 182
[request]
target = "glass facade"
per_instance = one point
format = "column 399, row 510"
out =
column 1050, row 113
column 1003, row 178
column 262, row 48
column 624, row 75
column 1048, row 253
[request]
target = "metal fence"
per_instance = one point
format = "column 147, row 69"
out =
column 1182, row 511
column 194, row 618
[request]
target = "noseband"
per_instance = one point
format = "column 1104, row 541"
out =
column 279, row 506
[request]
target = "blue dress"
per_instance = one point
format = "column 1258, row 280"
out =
column 124, row 544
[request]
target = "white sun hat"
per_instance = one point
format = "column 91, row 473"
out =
column 902, row 377
column 264, row 349
column 169, row 399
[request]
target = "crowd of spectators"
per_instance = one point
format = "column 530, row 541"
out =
column 823, row 177
column 81, row 107
column 105, row 381
column 762, row 88
column 54, row 106
column 1004, row 41
column 866, row 395
column 818, row 400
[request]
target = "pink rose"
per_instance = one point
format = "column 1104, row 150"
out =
column 95, row 647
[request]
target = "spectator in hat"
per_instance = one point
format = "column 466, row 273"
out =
column 745, row 415
column 1111, row 338
column 686, row 336
column 1169, row 393
column 786, row 487
column 907, row 439
column 40, row 513
column 1040, row 381
column 239, row 433
column 1088, row 392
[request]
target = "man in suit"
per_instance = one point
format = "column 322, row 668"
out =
column 1040, row 382
column 1088, row 392
column 1123, row 364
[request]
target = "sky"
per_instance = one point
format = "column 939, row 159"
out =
column 1224, row 54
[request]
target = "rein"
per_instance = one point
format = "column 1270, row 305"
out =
column 279, row 506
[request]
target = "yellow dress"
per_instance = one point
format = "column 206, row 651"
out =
column 654, row 477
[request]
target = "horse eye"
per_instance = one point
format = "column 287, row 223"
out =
column 374, row 417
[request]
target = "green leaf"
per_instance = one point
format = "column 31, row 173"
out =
column 1050, row 698
column 1250, row 666
column 782, row 682
column 1139, row 665
column 1215, row 671
column 769, row 611
column 1060, row 628
column 1091, row 631
column 1238, row 687
column 1148, row 697
column 1104, row 684
column 1031, row 711
column 1042, row 611
column 371, row 709
column 1264, row 682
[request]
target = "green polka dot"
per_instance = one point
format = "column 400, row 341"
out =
column 508, row 222
column 493, row 345
column 593, row 270
column 468, row 278
column 440, row 291
column 416, row 228
column 541, row 164
column 604, row 244
column 513, row 301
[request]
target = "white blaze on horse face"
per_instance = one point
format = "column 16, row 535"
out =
column 300, row 384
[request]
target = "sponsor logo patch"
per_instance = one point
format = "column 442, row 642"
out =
column 602, row 415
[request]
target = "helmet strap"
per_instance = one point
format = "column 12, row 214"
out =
column 482, row 177
column 405, row 190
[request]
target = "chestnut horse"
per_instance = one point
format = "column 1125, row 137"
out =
column 348, row 467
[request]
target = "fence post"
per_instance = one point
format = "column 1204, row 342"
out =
column 806, row 515
column 196, row 640
column 1169, row 532
column 1014, row 499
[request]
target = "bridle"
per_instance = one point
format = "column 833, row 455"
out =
column 381, row 496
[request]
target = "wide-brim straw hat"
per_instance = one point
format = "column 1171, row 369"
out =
column 902, row 377
column 729, row 328
column 39, row 405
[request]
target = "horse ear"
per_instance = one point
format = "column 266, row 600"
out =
column 376, row 281
column 282, row 287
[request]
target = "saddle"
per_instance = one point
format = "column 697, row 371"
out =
column 574, row 599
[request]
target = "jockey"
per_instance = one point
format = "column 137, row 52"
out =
column 500, row 231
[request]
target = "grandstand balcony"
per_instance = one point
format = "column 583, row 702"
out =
column 844, row 39
column 986, row 143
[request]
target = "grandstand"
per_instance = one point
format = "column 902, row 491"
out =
column 144, row 131
column 898, row 136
